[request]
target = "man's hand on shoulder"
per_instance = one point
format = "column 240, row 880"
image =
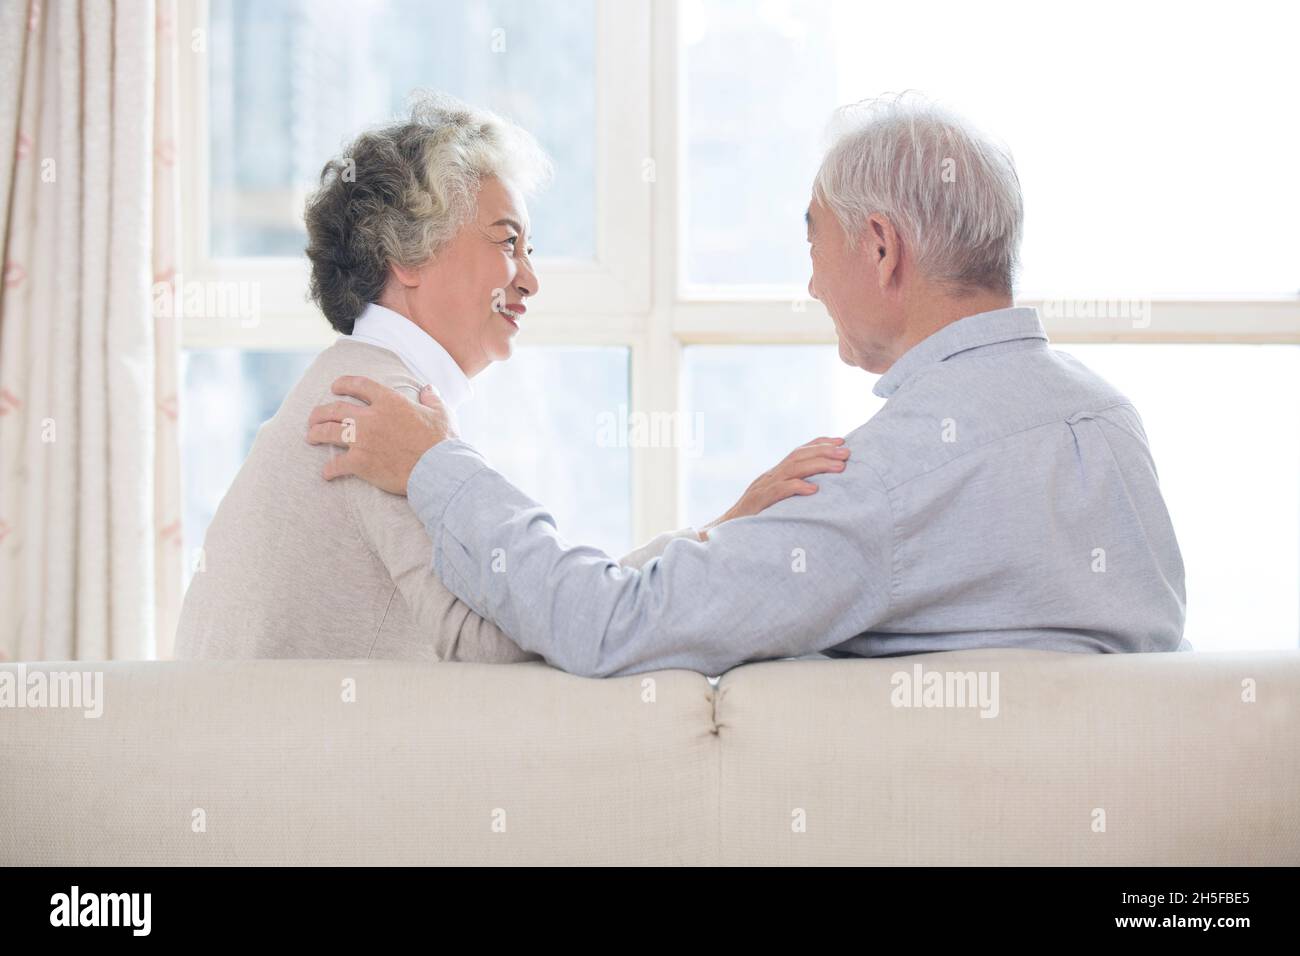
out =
column 382, row 439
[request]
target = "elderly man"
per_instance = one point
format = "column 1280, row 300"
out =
column 1004, row 496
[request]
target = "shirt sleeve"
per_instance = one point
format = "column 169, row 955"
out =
column 396, row 540
column 806, row 574
column 655, row 547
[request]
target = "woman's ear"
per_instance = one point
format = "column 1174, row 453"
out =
column 410, row 278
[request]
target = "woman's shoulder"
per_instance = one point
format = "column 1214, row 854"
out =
column 350, row 357
column 346, row 357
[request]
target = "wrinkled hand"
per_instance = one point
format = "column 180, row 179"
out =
column 383, row 439
column 817, row 457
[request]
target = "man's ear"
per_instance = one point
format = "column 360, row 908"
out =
column 883, row 248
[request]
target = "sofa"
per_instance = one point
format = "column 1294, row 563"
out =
column 1069, row 759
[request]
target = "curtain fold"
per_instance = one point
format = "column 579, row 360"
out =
column 89, row 472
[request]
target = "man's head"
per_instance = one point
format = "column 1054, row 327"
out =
column 915, row 221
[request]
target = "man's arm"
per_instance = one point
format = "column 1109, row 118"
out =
column 783, row 579
column 805, row 575
column 397, row 541
column 396, row 538
column 655, row 547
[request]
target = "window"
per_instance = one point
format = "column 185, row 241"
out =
column 539, row 418
column 284, row 88
column 1133, row 152
column 751, row 405
column 291, row 82
column 672, row 254
column 1223, row 422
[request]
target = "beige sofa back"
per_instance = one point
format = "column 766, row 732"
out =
column 1150, row 759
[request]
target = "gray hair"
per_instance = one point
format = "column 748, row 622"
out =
column 951, row 192
column 399, row 192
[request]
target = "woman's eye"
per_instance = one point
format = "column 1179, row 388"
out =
column 512, row 240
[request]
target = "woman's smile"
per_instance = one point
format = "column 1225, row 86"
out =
column 511, row 312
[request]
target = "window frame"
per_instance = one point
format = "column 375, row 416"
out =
column 580, row 293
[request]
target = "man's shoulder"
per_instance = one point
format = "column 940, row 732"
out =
column 958, row 407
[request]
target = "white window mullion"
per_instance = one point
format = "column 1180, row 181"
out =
column 800, row 321
column 656, row 359
column 655, row 464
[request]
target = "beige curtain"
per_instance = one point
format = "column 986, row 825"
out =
column 90, row 542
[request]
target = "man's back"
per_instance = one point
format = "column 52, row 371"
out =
column 1025, row 500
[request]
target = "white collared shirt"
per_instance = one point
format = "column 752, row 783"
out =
column 419, row 351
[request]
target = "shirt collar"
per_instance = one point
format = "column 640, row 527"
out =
column 971, row 332
column 427, row 360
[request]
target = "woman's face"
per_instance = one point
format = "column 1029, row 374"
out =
column 470, row 295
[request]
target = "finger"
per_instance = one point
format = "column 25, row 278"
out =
column 812, row 466
column 333, row 412
column 339, row 465
column 785, row 488
column 824, row 441
column 430, row 397
column 328, row 433
column 805, row 452
column 358, row 386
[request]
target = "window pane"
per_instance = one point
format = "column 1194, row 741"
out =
column 1224, row 426
column 1221, row 420
column 751, row 405
column 537, row 419
column 1129, row 147
column 535, row 409
column 292, row 81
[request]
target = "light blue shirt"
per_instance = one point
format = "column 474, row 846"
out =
column 1003, row 496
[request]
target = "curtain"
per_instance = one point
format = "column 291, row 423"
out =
column 90, row 541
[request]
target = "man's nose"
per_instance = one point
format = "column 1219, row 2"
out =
column 811, row 291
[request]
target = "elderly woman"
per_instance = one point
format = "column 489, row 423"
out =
column 418, row 241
